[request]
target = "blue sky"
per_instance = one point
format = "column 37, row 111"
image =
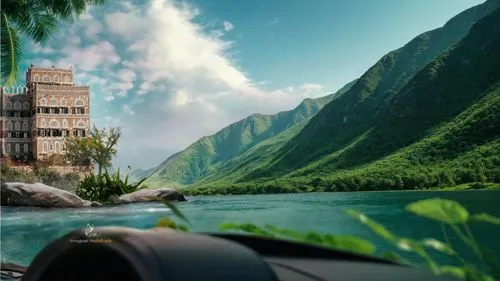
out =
column 170, row 72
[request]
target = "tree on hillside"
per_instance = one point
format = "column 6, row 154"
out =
column 35, row 19
column 99, row 148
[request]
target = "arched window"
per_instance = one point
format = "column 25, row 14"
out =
column 8, row 148
column 51, row 147
column 17, row 126
column 57, row 147
column 36, row 78
column 9, row 126
column 18, row 148
column 25, row 126
column 26, row 105
column 65, row 123
column 26, row 148
column 45, row 147
column 43, row 101
column 9, row 105
column 17, row 105
column 78, row 102
column 46, row 78
column 53, row 102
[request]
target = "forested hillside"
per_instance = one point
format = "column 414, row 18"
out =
column 206, row 155
column 441, row 128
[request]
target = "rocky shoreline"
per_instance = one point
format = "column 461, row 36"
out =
column 44, row 196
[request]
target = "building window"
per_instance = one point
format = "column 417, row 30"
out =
column 43, row 101
column 51, row 147
column 37, row 78
column 43, row 123
column 64, row 134
column 17, row 126
column 17, row 105
column 65, row 123
column 26, row 105
column 52, row 110
column 80, row 124
column 57, row 147
column 79, row 133
column 78, row 102
column 9, row 126
column 56, row 78
column 18, row 148
column 17, row 135
column 45, row 147
column 25, row 126
column 46, row 78
column 17, row 114
column 8, row 148
column 26, row 148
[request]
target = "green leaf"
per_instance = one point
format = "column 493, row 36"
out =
column 167, row 223
column 176, row 211
column 350, row 244
column 438, row 246
column 454, row 271
column 246, row 227
column 392, row 257
column 375, row 227
column 441, row 210
column 485, row 218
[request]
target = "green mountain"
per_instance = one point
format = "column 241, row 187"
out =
column 206, row 155
column 440, row 126
column 343, row 120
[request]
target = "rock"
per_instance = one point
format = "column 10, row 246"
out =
column 152, row 194
column 39, row 195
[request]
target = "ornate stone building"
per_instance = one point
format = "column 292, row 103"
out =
column 37, row 117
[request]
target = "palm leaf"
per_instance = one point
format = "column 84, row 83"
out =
column 11, row 52
column 69, row 10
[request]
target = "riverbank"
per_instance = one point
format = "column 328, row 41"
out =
column 302, row 188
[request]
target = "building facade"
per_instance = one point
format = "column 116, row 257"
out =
column 36, row 118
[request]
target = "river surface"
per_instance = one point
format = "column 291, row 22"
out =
column 25, row 231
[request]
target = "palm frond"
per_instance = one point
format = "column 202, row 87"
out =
column 11, row 52
column 37, row 23
column 69, row 10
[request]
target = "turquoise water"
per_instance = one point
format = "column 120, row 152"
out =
column 25, row 231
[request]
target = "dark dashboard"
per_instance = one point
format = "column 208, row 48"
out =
column 161, row 254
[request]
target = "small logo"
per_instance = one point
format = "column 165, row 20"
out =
column 89, row 229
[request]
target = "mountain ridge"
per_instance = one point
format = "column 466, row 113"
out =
column 199, row 159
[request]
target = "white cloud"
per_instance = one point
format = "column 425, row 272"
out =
column 44, row 50
column 109, row 97
column 228, row 26
column 128, row 110
column 94, row 57
column 92, row 29
column 178, row 76
column 275, row 21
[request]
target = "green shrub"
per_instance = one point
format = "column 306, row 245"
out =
column 449, row 215
column 103, row 188
column 68, row 182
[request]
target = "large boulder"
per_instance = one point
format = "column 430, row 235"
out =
column 40, row 195
column 151, row 195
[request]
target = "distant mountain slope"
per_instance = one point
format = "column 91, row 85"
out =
column 442, row 128
column 348, row 117
column 205, row 155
